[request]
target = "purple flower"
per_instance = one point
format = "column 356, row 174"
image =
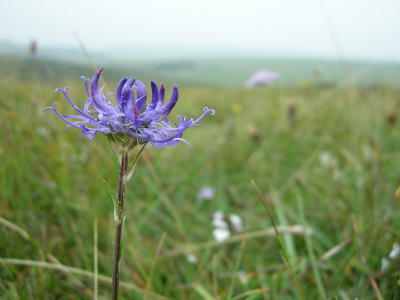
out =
column 206, row 193
column 262, row 77
column 132, row 118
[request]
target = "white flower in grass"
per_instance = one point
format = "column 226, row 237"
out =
column 191, row 258
column 385, row 264
column 243, row 277
column 218, row 215
column 218, row 220
column 220, row 224
column 236, row 222
column 206, row 193
column 327, row 160
column 395, row 252
column 221, row 234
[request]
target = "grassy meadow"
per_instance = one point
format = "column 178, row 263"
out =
column 325, row 158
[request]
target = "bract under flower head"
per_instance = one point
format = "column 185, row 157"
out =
column 131, row 119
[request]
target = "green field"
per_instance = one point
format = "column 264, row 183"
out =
column 216, row 72
column 331, row 167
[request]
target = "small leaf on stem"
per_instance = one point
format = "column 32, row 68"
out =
column 133, row 165
column 114, row 197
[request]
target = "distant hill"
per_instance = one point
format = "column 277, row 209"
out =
column 54, row 64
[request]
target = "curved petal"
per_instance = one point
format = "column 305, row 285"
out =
column 141, row 94
column 73, row 104
column 87, row 105
column 86, row 86
column 94, row 89
column 138, row 135
column 120, row 85
column 61, row 117
column 86, row 132
column 166, row 109
column 154, row 95
column 177, row 134
column 206, row 112
column 130, row 117
column 126, row 92
column 161, row 112
column 177, row 140
column 162, row 95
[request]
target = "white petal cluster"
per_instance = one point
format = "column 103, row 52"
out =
column 385, row 264
column 243, row 277
column 393, row 255
column 236, row 222
column 221, row 233
column 222, row 229
column 395, row 252
column 191, row 258
column 327, row 160
column 218, row 215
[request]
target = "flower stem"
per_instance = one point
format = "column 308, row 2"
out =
column 118, row 231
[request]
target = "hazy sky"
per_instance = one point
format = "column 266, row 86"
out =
column 364, row 29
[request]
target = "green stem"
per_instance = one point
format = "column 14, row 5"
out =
column 118, row 231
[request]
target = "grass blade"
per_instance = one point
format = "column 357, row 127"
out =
column 203, row 292
column 280, row 241
column 311, row 256
column 235, row 271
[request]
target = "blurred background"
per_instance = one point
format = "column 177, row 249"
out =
column 307, row 100
column 220, row 43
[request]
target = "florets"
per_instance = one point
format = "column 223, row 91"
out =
column 131, row 119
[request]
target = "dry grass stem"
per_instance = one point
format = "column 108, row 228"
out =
column 295, row 229
column 105, row 279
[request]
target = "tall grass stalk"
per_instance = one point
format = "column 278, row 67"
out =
column 280, row 241
column 310, row 251
column 235, row 271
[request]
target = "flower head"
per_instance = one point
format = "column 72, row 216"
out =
column 244, row 278
column 191, row 258
column 206, row 193
column 221, row 234
column 395, row 252
column 218, row 215
column 262, row 77
column 327, row 160
column 132, row 119
column 385, row 265
column 236, row 222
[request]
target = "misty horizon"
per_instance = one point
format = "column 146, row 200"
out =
column 341, row 30
column 161, row 53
